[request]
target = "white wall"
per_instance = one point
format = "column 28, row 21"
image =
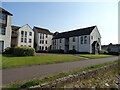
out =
column 95, row 33
column 7, row 37
column 27, row 29
column 37, row 40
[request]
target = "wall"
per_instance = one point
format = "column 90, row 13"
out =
column 7, row 37
column 28, row 29
column 74, row 78
column 95, row 33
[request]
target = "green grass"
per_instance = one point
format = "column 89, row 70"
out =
column 93, row 56
column 34, row 82
column 12, row 61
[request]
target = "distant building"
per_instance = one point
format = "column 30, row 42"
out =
column 43, row 39
column 82, row 40
column 111, row 47
column 5, row 29
column 22, row 36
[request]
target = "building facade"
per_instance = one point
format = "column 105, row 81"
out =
column 5, row 29
column 82, row 40
column 43, row 39
column 22, row 36
column 111, row 47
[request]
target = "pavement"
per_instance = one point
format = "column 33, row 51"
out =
column 38, row 71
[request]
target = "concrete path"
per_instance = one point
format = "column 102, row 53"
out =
column 29, row 72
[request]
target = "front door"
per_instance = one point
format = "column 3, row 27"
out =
column 1, row 46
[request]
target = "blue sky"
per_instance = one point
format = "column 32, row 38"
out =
column 65, row 16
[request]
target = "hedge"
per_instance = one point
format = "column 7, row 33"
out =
column 113, row 53
column 24, row 51
column 8, row 50
column 71, row 51
column 56, row 51
column 103, row 52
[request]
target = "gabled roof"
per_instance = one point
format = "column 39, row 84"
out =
column 42, row 30
column 78, row 32
column 15, row 28
column 5, row 11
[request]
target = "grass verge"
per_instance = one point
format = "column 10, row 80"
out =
column 12, row 61
column 93, row 56
column 34, row 82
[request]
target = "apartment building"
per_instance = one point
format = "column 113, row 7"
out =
column 82, row 40
column 5, row 29
column 22, row 36
column 43, row 39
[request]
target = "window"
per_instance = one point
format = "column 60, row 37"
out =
column 22, row 33
column 45, row 48
column 46, row 35
column 29, row 46
column 30, row 33
column 99, row 39
column 46, row 41
column 40, row 47
column 54, row 42
column 60, row 40
column 73, row 47
column 91, row 37
column 43, row 36
column 25, row 40
column 30, row 40
column 25, row 33
column 21, row 39
column 85, row 40
column 3, row 17
column 73, row 39
column 2, row 31
column 42, row 41
column 81, row 40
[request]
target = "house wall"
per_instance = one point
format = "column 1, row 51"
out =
column 37, row 41
column 85, row 47
column 7, row 37
column 28, row 30
column 96, row 37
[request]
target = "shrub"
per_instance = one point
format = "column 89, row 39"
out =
column 41, row 51
column 103, row 52
column 8, row 51
column 24, row 51
column 56, row 51
column 71, row 51
column 113, row 53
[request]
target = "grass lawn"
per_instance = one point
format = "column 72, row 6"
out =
column 93, row 56
column 12, row 61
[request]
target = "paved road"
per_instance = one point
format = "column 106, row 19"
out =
column 29, row 72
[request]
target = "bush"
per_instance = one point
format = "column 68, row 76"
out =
column 71, row 51
column 8, row 51
column 24, row 51
column 113, row 53
column 56, row 51
column 103, row 52
column 41, row 51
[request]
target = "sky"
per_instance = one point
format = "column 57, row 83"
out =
column 66, row 16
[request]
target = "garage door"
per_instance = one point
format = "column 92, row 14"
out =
column 1, row 46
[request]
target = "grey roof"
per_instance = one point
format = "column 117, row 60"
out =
column 42, row 30
column 15, row 28
column 5, row 11
column 78, row 32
